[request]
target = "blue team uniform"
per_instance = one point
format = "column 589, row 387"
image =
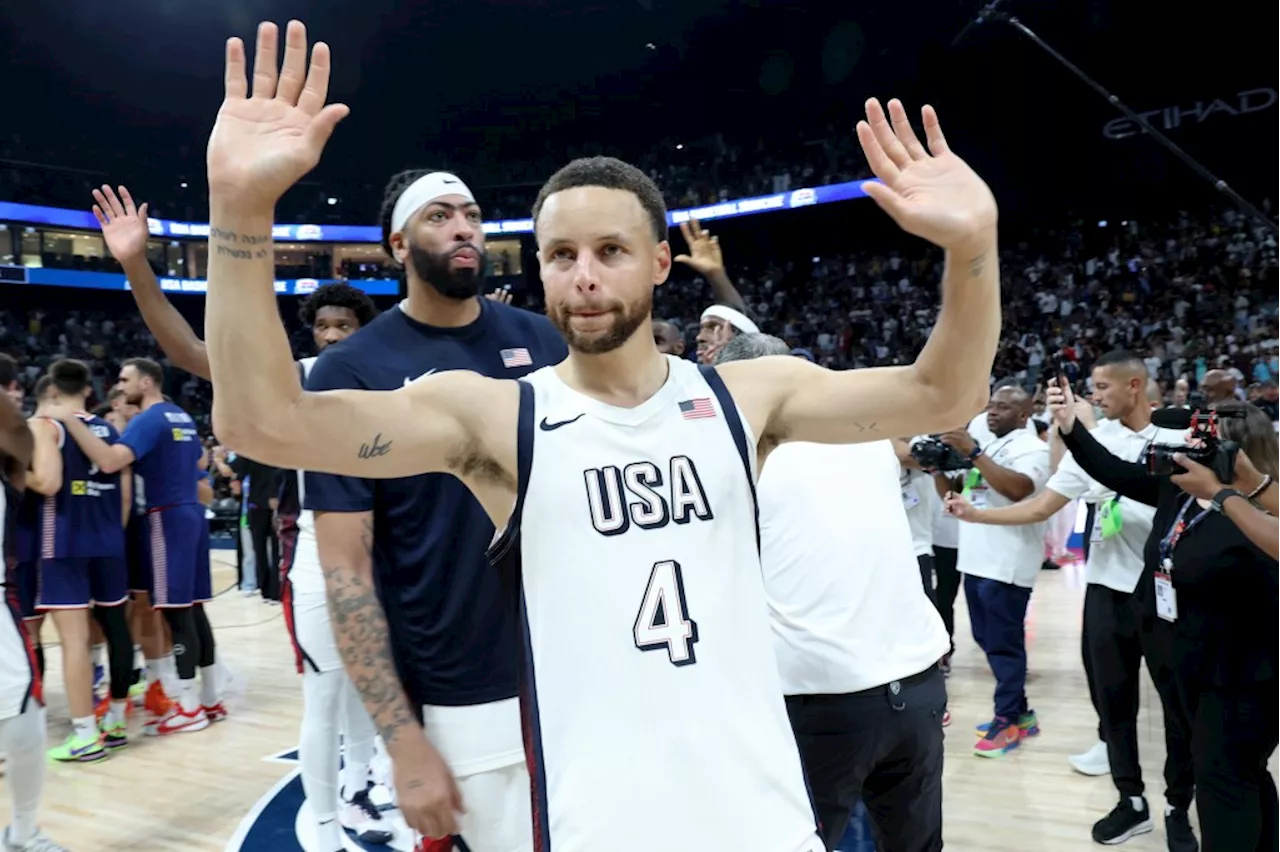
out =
column 174, row 532
column 454, row 641
column 80, row 537
column 24, row 513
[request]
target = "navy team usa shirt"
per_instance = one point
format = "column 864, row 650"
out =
column 86, row 516
column 453, row 639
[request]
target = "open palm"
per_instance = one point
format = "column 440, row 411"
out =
column 124, row 225
column 264, row 142
column 930, row 192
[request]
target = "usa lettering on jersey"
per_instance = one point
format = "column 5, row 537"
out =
column 645, row 495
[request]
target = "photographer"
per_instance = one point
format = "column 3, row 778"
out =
column 1208, row 595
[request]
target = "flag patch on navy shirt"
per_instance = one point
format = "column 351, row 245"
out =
column 516, row 358
column 697, row 409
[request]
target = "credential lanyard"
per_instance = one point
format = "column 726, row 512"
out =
column 1177, row 531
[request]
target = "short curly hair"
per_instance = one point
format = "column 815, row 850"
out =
column 338, row 295
column 609, row 173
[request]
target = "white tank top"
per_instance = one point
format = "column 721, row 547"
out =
column 651, row 697
column 304, row 569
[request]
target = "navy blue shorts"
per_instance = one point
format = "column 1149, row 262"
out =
column 176, row 555
column 78, row 582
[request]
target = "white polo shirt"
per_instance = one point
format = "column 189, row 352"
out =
column 946, row 528
column 1008, row 554
column 847, row 606
column 1114, row 562
column 921, row 500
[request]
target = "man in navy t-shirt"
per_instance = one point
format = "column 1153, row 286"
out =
column 433, row 647
column 164, row 447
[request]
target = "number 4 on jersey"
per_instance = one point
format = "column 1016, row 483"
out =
column 663, row 622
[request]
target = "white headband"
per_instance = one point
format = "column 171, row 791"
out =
column 735, row 318
column 422, row 192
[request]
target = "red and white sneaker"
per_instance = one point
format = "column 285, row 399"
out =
column 179, row 721
column 216, row 712
column 946, row 718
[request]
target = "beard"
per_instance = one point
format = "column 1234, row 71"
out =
column 449, row 282
column 625, row 319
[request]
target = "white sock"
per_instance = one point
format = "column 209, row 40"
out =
column 86, row 727
column 209, row 685
column 153, row 671
column 188, row 695
column 22, row 739
column 318, row 752
column 99, row 655
column 169, row 674
column 1138, row 804
column 116, row 714
column 358, row 735
column 139, row 661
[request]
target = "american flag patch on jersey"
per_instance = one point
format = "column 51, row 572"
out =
column 516, row 357
column 697, row 409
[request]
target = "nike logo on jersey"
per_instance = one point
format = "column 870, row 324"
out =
column 551, row 427
column 408, row 381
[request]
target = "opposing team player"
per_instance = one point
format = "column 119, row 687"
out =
column 21, row 695
column 81, row 566
column 163, row 445
column 333, row 313
column 623, row 479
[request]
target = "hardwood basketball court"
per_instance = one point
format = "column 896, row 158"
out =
column 192, row 792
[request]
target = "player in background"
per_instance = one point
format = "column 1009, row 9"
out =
column 330, row 703
column 82, row 566
column 22, row 724
column 601, row 229
column 10, row 383
column 164, row 446
column 727, row 315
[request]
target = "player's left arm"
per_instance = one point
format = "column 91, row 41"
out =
column 110, row 458
column 935, row 195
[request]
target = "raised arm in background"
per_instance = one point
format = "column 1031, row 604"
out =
column 706, row 259
column 124, row 228
column 1128, row 479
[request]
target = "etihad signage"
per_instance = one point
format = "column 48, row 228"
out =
column 1173, row 117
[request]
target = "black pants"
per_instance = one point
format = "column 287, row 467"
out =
column 1157, row 650
column 1233, row 732
column 926, row 576
column 265, row 551
column 944, row 565
column 881, row 745
column 1113, row 657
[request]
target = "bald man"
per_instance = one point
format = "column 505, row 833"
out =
column 1154, row 397
column 1218, row 386
column 1000, row 563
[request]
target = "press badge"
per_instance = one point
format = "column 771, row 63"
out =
column 910, row 498
column 1166, row 597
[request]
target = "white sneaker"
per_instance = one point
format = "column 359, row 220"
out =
column 38, row 843
column 1093, row 762
column 361, row 817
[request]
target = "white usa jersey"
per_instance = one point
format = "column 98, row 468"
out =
column 299, row 551
column 653, row 712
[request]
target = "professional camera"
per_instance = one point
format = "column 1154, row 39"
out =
column 1204, row 445
column 931, row 454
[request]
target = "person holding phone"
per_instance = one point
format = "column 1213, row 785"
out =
column 1208, row 595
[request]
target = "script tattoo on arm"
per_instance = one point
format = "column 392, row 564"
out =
column 360, row 627
column 375, row 448
column 240, row 246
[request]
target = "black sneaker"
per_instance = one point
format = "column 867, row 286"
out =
column 1128, row 819
column 1177, row 830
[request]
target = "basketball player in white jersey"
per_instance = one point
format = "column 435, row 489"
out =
column 333, row 313
column 623, row 479
column 22, row 725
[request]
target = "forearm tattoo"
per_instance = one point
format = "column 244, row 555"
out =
column 239, row 246
column 360, row 628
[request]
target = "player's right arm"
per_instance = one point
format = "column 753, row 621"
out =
column 45, row 476
column 124, row 228
column 261, row 145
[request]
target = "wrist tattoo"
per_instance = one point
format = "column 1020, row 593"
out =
column 239, row 246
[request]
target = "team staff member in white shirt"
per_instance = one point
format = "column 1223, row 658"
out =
column 1000, row 564
column 1111, row 635
column 857, row 639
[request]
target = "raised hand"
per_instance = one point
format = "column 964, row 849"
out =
column 264, row 142
column 1061, row 403
column 124, row 226
column 704, row 250
column 930, row 193
column 958, row 507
